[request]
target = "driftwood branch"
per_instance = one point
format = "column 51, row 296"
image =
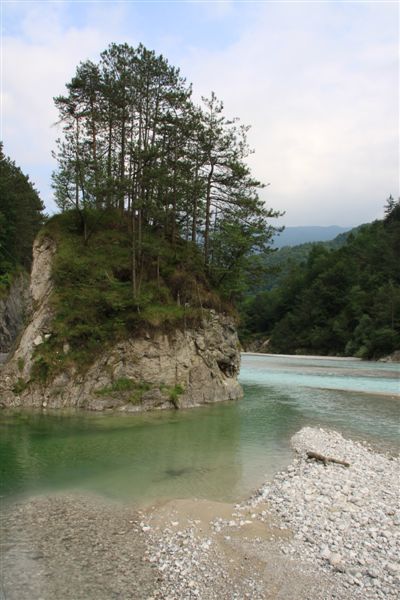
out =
column 326, row 459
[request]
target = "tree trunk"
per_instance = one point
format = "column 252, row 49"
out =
column 208, row 216
column 98, row 200
column 195, row 202
column 133, row 253
column 109, row 159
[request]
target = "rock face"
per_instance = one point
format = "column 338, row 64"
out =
column 186, row 368
column 394, row 357
column 258, row 346
column 13, row 309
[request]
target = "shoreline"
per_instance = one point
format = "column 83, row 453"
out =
column 364, row 392
column 311, row 356
column 314, row 532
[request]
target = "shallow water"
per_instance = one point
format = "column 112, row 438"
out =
column 219, row 452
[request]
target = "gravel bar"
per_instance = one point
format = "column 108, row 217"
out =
column 316, row 532
column 346, row 520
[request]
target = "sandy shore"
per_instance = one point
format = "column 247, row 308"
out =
column 315, row 532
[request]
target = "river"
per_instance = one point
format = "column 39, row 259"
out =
column 219, row 452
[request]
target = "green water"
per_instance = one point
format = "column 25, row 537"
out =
column 220, row 452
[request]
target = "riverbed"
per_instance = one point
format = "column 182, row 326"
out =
column 220, row 452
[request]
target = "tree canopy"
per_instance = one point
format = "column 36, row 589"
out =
column 21, row 216
column 134, row 141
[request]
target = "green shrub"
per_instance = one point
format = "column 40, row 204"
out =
column 93, row 299
column 124, row 384
column 174, row 394
column 41, row 369
column 5, row 282
column 20, row 386
column 140, row 389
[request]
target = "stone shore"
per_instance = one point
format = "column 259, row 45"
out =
column 345, row 519
column 315, row 532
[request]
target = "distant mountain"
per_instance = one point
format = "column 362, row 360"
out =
column 293, row 236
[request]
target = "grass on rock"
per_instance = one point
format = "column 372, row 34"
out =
column 93, row 300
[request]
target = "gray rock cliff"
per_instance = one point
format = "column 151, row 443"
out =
column 13, row 310
column 157, row 370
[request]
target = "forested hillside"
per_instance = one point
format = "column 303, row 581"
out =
column 343, row 302
column 296, row 236
column 279, row 263
column 21, row 216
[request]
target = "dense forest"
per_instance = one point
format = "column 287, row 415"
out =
column 21, row 216
column 343, row 301
column 283, row 260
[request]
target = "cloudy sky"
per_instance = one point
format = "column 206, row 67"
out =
column 317, row 81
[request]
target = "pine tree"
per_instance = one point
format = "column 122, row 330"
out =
column 21, row 216
column 135, row 142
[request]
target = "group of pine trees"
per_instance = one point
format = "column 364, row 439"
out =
column 135, row 142
column 139, row 158
column 343, row 301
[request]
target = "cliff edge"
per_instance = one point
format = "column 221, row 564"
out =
column 186, row 366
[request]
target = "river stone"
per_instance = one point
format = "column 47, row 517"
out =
column 352, row 540
column 374, row 573
column 325, row 553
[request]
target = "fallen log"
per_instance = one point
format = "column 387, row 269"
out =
column 326, row 459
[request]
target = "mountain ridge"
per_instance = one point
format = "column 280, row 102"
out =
column 296, row 235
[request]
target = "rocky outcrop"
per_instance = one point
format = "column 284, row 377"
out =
column 261, row 345
column 185, row 368
column 394, row 357
column 13, row 310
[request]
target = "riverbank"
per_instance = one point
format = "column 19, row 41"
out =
column 74, row 547
column 310, row 356
column 314, row 532
column 345, row 519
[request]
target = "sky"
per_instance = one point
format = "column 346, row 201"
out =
column 318, row 82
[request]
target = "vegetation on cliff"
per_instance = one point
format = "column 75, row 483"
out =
column 161, row 219
column 343, row 301
column 160, row 215
column 92, row 296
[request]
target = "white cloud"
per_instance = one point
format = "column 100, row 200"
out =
column 36, row 65
column 323, row 108
column 317, row 82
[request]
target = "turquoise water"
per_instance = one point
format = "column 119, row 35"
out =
column 221, row 452
column 327, row 373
